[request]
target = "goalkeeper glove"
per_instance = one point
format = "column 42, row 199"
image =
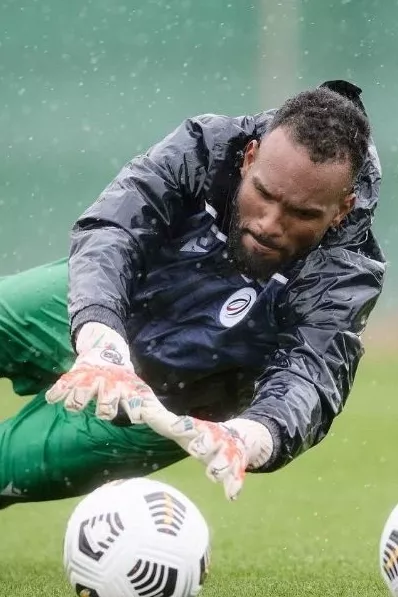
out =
column 227, row 449
column 102, row 371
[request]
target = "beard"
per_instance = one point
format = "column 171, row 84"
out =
column 251, row 264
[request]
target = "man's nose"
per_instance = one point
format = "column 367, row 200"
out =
column 271, row 221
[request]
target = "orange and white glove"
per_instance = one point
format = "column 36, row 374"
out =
column 102, row 371
column 226, row 449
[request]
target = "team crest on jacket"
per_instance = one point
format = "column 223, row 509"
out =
column 237, row 306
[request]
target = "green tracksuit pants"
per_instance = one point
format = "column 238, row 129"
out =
column 45, row 452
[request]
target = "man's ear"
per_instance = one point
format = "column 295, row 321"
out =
column 249, row 156
column 346, row 205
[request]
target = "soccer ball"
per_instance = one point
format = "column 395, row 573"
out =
column 136, row 538
column 389, row 552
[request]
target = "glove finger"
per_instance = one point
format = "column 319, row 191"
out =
column 142, row 395
column 107, row 399
column 228, row 466
column 132, row 406
column 107, row 411
column 132, row 400
column 67, row 382
column 54, row 395
column 232, row 487
column 58, row 392
column 76, row 399
column 233, row 482
column 204, row 446
column 214, row 436
column 219, row 466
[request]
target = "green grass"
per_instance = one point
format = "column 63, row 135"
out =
column 311, row 529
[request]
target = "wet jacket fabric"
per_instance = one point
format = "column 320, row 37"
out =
column 149, row 259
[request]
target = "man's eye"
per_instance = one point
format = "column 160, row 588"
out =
column 305, row 215
column 263, row 194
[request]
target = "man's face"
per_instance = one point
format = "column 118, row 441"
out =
column 285, row 204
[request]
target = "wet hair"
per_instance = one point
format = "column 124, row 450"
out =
column 330, row 126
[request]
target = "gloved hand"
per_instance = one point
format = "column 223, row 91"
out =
column 102, row 371
column 227, row 449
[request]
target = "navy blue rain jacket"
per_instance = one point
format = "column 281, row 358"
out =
column 149, row 259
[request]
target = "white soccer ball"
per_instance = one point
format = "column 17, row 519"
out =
column 136, row 538
column 389, row 552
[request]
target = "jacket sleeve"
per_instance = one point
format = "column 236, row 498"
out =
column 114, row 241
column 308, row 378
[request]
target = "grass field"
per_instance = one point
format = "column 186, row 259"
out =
column 310, row 530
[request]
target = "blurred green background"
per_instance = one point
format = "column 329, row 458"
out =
column 85, row 85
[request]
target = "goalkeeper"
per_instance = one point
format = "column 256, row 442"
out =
column 217, row 292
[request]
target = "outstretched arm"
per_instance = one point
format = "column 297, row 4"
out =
column 305, row 382
column 308, row 379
